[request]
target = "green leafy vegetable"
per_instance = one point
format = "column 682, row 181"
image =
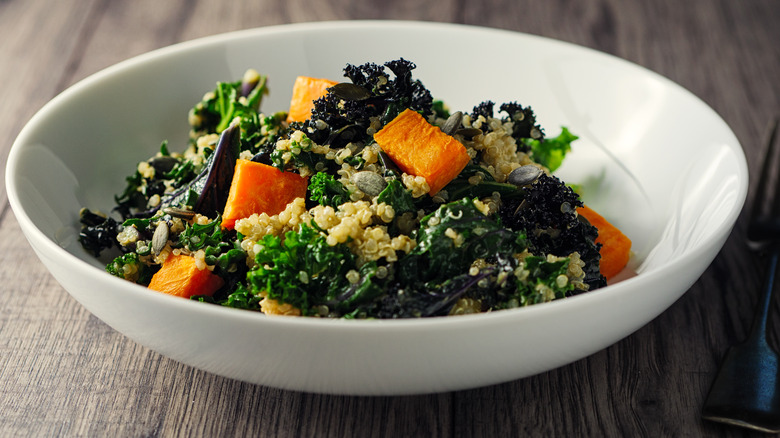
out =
column 463, row 187
column 130, row 267
column 398, row 197
column 551, row 151
column 325, row 190
column 228, row 101
column 451, row 238
column 303, row 270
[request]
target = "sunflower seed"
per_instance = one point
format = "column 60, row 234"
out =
column 160, row 237
column 524, row 175
column 452, row 123
column 179, row 213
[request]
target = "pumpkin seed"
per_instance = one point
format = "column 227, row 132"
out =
column 452, row 123
column 369, row 182
column 179, row 213
column 469, row 132
column 524, row 175
column 160, row 237
column 164, row 164
column 349, row 91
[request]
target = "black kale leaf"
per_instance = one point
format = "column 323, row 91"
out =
column 547, row 214
column 384, row 94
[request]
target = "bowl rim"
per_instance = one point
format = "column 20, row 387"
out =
column 636, row 284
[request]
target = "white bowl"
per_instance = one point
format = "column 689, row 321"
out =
column 652, row 158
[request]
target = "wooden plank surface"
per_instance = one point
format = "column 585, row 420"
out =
column 65, row 373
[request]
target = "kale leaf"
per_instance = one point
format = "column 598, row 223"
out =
column 547, row 214
column 461, row 187
column 452, row 237
column 347, row 119
column 229, row 100
column 524, row 122
column 301, row 269
column 98, row 232
column 398, row 197
column 550, row 151
column 130, row 267
column 325, row 190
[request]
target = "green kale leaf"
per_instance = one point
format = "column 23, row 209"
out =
column 325, row 190
column 130, row 267
column 453, row 237
column 398, row 197
column 304, row 271
column 551, row 151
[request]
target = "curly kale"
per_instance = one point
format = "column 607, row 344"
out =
column 547, row 214
column 524, row 119
column 346, row 117
column 300, row 155
column 304, row 271
column 221, row 249
column 260, row 133
column 395, row 94
column 437, row 272
column 98, row 232
column 325, row 190
column 484, row 109
column 452, row 237
column 166, row 170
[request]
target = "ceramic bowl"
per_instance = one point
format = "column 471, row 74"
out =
column 653, row 158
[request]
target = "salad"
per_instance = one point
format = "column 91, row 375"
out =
column 368, row 198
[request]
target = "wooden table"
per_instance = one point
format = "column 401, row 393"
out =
column 65, row 373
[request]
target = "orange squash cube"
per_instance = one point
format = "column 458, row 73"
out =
column 180, row 276
column 305, row 91
column 260, row 188
column 421, row 149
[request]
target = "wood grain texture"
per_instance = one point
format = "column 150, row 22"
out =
column 65, row 373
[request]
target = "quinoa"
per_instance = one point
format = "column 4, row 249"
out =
column 497, row 149
column 270, row 306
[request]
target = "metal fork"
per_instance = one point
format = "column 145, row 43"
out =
column 746, row 391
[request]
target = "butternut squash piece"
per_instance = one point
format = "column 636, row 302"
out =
column 615, row 246
column 421, row 149
column 305, row 91
column 260, row 188
column 180, row 276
